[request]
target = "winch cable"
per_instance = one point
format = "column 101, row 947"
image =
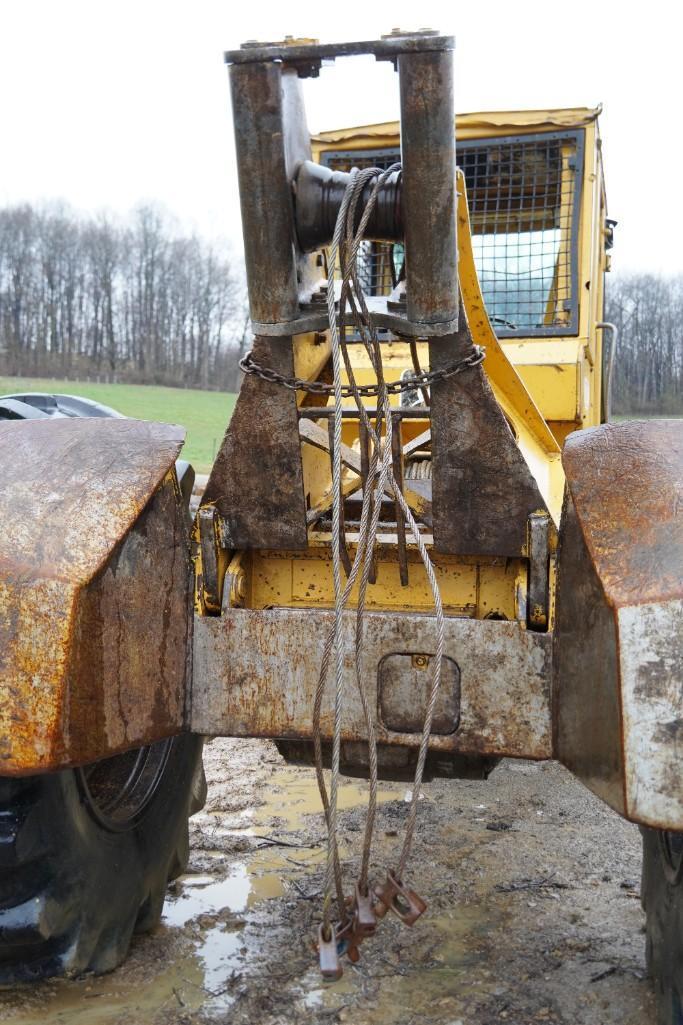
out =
column 329, row 804
column 351, row 271
column 366, row 542
column 372, row 346
column 434, row 587
column 317, row 743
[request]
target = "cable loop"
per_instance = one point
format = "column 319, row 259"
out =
column 343, row 252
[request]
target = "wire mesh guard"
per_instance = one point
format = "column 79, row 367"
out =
column 523, row 196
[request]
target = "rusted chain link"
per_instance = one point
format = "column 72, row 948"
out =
column 425, row 379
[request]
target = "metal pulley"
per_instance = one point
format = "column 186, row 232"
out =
column 318, row 194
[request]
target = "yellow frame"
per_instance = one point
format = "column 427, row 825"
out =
column 546, row 387
column 562, row 373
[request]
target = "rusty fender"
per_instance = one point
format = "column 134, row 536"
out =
column 618, row 647
column 94, row 578
column 256, row 672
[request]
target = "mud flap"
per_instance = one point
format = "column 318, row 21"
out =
column 618, row 639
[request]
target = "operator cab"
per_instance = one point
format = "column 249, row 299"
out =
column 539, row 230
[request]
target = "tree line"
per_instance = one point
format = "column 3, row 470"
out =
column 647, row 310
column 136, row 301
column 139, row 301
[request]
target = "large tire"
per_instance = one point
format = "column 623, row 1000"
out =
column 86, row 854
column 85, row 857
column 662, row 896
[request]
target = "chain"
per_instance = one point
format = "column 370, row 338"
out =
column 424, row 379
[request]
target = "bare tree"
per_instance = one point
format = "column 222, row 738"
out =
column 136, row 301
column 648, row 312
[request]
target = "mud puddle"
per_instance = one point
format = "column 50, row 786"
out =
column 533, row 916
column 449, row 959
column 204, row 941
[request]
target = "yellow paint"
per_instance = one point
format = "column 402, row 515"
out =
column 317, row 474
column 467, row 126
column 571, row 396
column 469, row 587
column 553, row 591
column 200, row 600
column 311, row 353
column 546, row 387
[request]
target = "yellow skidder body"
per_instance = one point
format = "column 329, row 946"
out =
column 524, row 560
column 537, row 219
column 561, row 366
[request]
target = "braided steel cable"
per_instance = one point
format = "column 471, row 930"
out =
column 344, row 251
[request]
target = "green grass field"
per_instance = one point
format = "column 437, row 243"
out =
column 204, row 414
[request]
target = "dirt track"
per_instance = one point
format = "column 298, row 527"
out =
column 534, row 911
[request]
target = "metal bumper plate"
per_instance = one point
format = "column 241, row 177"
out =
column 618, row 650
column 94, row 581
column 256, row 672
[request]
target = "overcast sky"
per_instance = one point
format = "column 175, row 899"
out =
column 107, row 105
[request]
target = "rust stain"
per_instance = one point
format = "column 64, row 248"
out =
column 626, row 482
column 257, row 488
column 617, row 645
column 94, row 577
column 255, row 674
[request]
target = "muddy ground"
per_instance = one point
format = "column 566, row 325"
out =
column 534, row 913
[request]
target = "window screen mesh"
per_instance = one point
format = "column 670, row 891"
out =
column 522, row 195
column 521, row 200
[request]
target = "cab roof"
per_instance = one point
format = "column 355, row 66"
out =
column 472, row 126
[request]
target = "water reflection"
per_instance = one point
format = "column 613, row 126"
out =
column 202, row 946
